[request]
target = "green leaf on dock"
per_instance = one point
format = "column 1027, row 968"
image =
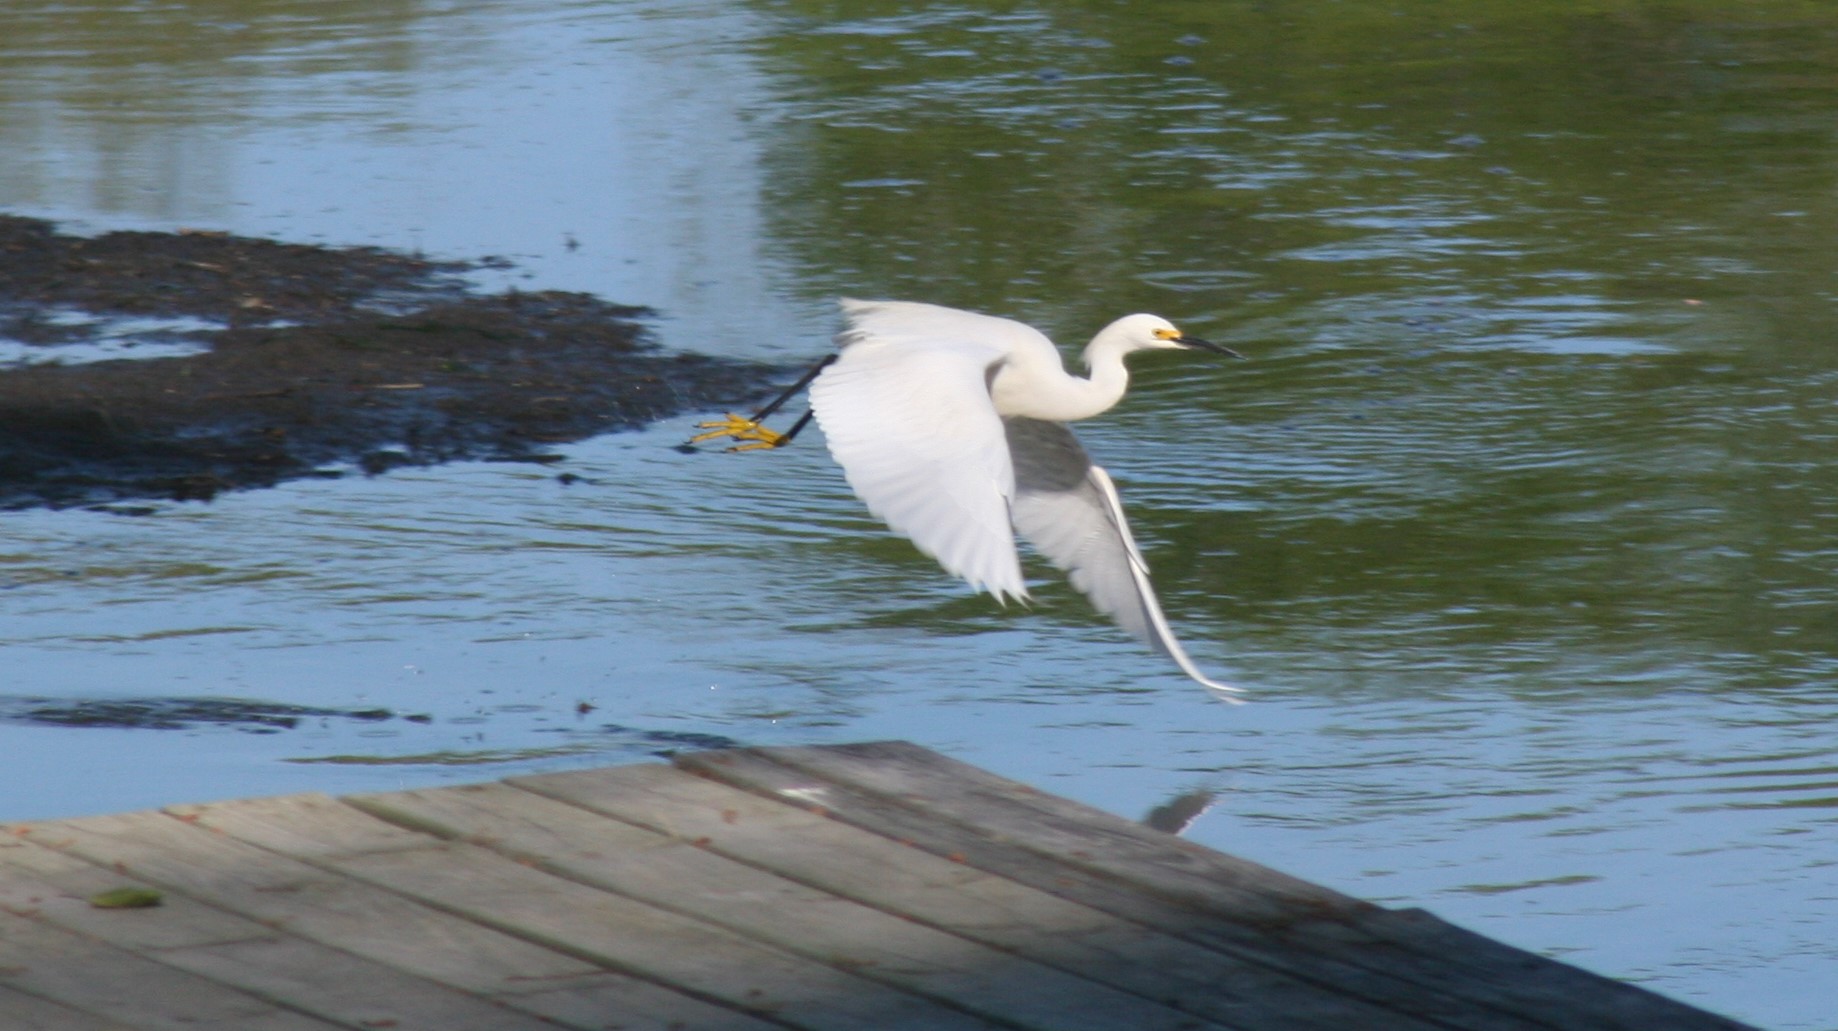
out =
column 127, row 898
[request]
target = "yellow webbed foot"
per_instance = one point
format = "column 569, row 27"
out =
column 751, row 435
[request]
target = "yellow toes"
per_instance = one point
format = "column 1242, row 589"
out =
column 732, row 426
column 700, row 437
column 740, row 428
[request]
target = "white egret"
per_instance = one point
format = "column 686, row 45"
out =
column 950, row 425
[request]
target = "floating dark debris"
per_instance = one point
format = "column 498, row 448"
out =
column 666, row 743
column 305, row 358
column 255, row 717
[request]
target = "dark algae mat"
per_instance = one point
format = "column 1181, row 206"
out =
column 305, row 360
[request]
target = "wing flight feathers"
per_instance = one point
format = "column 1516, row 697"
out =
column 1069, row 510
column 919, row 440
column 907, row 410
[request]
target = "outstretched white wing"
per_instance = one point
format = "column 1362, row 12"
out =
column 907, row 412
column 1069, row 510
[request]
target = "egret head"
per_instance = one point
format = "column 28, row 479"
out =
column 1153, row 333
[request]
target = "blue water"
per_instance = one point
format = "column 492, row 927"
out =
column 1518, row 524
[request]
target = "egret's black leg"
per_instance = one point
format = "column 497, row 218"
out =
column 803, row 421
column 749, row 430
column 792, row 391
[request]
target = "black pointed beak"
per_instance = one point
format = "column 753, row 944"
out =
column 1208, row 345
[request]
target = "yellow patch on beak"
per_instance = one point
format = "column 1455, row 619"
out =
column 1167, row 334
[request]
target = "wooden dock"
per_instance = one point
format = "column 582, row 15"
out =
column 847, row 888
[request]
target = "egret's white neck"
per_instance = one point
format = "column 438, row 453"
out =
column 1107, row 377
column 1038, row 387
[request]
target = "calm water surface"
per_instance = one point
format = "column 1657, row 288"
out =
column 1522, row 523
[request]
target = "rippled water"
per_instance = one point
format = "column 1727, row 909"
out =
column 1519, row 523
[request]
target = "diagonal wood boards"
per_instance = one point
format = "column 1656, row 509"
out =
column 861, row 886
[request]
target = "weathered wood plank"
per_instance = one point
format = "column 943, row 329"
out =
column 55, row 886
column 22, row 1012
column 326, row 983
column 272, row 893
column 593, row 924
column 762, row 906
column 1411, row 943
column 1266, row 945
column 799, row 844
column 179, row 856
column 104, row 981
column 344, row 989
column 838, row 888
column 956, row 809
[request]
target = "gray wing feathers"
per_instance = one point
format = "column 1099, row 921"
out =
column 1068, row 509
column 907, row 411
column 1061, row 509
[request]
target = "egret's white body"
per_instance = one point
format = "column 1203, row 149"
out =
column 950, row 425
